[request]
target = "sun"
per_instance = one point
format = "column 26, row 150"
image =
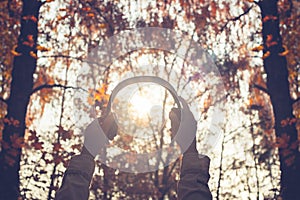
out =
column 139, row 108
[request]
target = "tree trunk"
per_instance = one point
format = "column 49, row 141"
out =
column 24, row 66
column 275, row 65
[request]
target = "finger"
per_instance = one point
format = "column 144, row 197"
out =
column 110, row 126
column 175, row 112
column 106, row 122
column 174, row 116
column 112, row 131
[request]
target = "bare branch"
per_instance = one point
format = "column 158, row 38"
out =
column 73, row 57
column 54, row 86
column 236, row 18
column 261, row 88
column 111, row 28
column 62, row 56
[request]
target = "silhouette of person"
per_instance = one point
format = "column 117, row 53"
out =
column 194, row 172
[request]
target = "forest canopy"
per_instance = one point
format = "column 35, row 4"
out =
column 252, row 45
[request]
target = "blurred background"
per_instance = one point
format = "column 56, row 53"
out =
column 254, row 46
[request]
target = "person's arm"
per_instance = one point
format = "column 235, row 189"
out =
column 79, row 173
column 77, row 178
column 194, row 173
column 194, row 176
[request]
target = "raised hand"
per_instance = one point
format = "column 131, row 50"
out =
column 98, row 133
column 184, row 128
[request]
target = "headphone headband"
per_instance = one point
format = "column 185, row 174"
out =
column 143, row 79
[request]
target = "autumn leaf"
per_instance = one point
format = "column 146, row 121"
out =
column 27, row 43
column 58, row 159
column 286, row 152
column 30, row 38
column 102, row 25
column 9, row 160
column 290, row 161
column 86, row 8
column 284, row 122
column 41, row 48
column 38, row 145
column 213, row 8
column 30, row 17
column 294, row 145
column 269, row 41
column 62, row 17
column 258, row 48
column 33, row 136
column 4, row 144
column 91, row 100
column 91, row 15
column 16, row 141
column 283, row 141
column 99, row 95
column 15, row 53
column 13, row 152
column 284, row 53
column 57, row 147
column 288, row 121
column 126, row 147
column 32, row 54
column 270, row 44
column 269, row 17
column 207, row 102
column 11, row 121
column 267, row 54
column 269, row 38
column 76, row 146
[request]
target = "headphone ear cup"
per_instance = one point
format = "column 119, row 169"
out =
column 113, row 129
column 109, row 125
column 174, row 116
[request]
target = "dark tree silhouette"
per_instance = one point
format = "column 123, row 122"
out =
column 24, row 66
column 275, row 65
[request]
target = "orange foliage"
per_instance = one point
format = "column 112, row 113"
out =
column 32, row 54
column 258, row 48
column 213, row 7
column 16, row 141
column 98, row 96
column 15, row 53
column 57, row 147
column 30, row 17
column 284, row 53
column 64, row 134
column 41, row 48
column 11, row 121
column 269, row 17
column 267, row 54
column 283, row 141
column 91, row 14
column 38, row 145
column 290, row 160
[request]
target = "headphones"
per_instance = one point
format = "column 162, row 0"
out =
column 141, row 79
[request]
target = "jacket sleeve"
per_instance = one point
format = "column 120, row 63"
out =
column 77, row 178
column 194, row 176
